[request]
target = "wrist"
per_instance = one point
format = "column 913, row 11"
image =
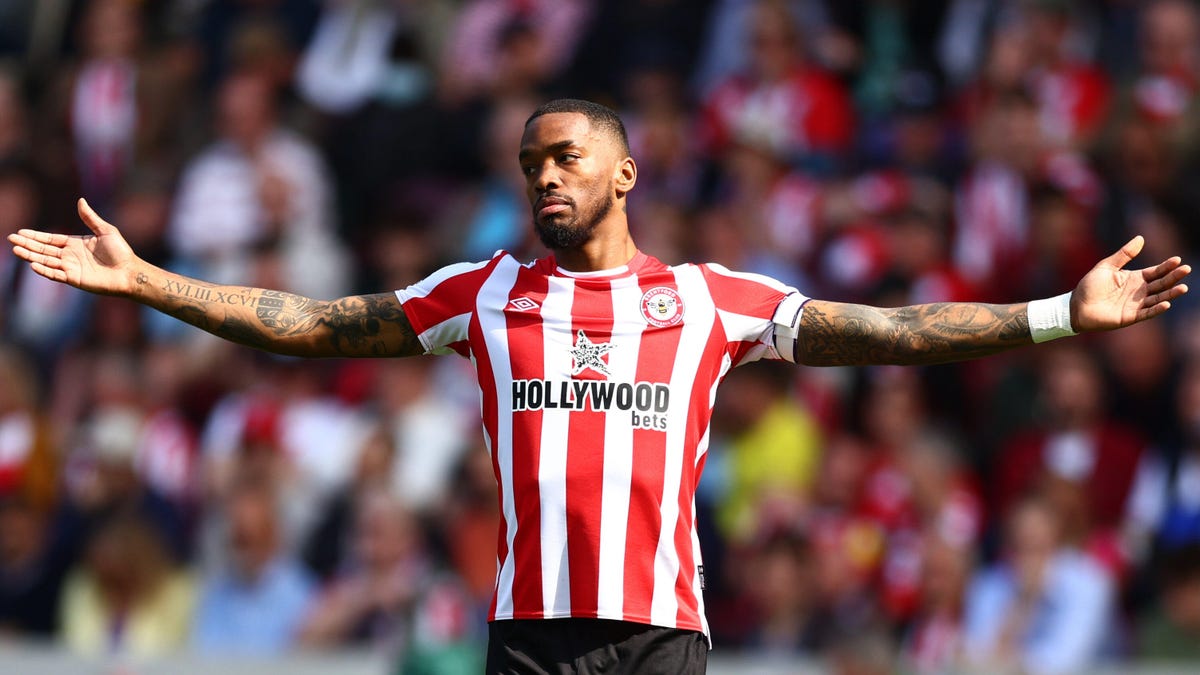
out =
column 1050, row 318
column 137, row 279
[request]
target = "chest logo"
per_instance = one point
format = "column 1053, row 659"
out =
column 662, row 307
column 588, row 354
column 523, row 304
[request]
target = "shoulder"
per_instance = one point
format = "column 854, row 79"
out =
column 715, row 273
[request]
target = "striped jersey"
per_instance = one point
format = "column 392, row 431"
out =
column 596, row 392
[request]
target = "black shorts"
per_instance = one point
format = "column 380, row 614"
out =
column 586, row 646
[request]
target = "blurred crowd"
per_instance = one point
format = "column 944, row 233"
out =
column 163, row 491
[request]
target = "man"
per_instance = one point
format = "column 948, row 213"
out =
column 596, row 369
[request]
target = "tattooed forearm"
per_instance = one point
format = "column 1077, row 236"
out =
column 369, row 325
column 836, row 334
column 366, row 325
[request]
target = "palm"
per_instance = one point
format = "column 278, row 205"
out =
column 1110, row 296
column 92, row 262
column 97, row 262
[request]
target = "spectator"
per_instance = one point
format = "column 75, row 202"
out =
column 430, row 433
column 103, row 480
column 35, row 314
column 346, row 61
column 1164, row 91
column 782, row 587
column 920, row 262
column 32, row 569
column 782, row 98
column 1077, row 442
column 385, row 598
column 1045, row 608
column 120, row 103
column 257, row 604
column 328, row 546
column 1163, row 511
column 471, row 517
column 992, row 198
column 14, row 122
column 1144, row 375
column 1072, row 95
column 258, row 187
column 773, row 452
column 494, row 40
column 264, row 34
column 126, row 597
column 1171, row 632
column 28, row 458
column 495, row 217
column 933, row 641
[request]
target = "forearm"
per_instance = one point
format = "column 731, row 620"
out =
column 277, row 321
column 841, row 334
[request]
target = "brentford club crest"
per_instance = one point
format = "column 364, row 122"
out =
column 662, row 307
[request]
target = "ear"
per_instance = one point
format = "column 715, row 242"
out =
column 626, row 176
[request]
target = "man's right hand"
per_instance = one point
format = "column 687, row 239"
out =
column 101, row 262
column 276, row 321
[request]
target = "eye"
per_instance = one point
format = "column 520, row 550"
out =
column 528, row 170
column 568, row 157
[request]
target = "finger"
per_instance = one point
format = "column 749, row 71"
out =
column 41, row 237
column 1161, row 269
column 1173, row 277
column 95, row 223
column 36, row 246
column 37, row 258
column 1153, row 311
column 1166, row 296
column 1128, row 252
column 49, row 273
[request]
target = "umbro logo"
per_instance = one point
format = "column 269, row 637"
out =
column 523, row 304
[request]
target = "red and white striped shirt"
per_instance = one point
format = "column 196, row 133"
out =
column 596, row 393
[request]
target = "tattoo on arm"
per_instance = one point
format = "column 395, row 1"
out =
column 835, row 334
column 367, row 325
column 364, row 325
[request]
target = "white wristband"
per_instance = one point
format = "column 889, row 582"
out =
column 1050, row 319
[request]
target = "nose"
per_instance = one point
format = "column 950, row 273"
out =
column 545, row 178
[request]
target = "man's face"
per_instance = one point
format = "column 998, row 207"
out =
column 570, row 171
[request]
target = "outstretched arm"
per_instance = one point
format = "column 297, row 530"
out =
column 367, row 325
column 1108, row 297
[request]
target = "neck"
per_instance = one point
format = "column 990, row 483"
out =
column 612, row 246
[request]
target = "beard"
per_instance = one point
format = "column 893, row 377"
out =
column 561, row 234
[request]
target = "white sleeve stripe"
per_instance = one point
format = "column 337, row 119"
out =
column 455, row 325
column 425, row 286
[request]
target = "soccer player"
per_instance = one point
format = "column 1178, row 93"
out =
column 597, row 368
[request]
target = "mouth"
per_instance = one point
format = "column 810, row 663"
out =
column 548, row 206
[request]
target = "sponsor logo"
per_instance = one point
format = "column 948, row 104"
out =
column 522, row 304
column 646, row 402
column 662, row 307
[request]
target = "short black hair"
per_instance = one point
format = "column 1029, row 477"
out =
column 598, row 116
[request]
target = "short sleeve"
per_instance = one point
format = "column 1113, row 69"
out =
column 440, row 306
column 759, row 314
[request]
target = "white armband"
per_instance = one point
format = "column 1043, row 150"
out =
column 787, row 325
column 1050, row 319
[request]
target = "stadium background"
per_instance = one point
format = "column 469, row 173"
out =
column 166, row 498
